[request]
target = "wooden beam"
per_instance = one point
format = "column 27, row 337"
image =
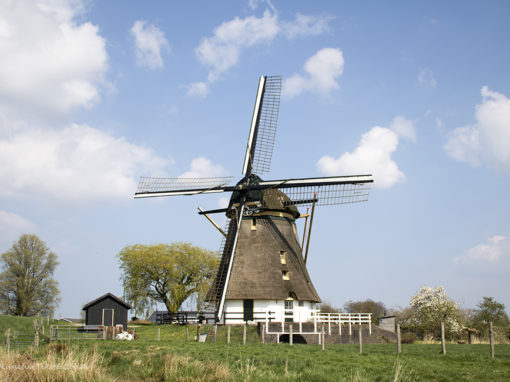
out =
column 202, row 212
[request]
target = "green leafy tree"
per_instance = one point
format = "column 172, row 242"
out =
column 167, row 273
column 429, row 306
column 490, row 310
column 377, row 308
column 27, row 286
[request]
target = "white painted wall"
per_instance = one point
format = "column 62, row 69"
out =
column 234, row 311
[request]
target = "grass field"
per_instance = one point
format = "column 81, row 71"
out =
column 174, row 359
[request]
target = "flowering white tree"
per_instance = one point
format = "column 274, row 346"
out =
column 430, row 306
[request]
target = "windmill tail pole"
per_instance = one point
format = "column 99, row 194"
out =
column 213, row 222
column 310, row 229
column 304, row 229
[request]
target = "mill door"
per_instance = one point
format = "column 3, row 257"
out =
column 107, row 317
column 247, row 310
column 289, row 310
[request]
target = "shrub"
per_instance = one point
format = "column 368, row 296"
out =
column 408, row 338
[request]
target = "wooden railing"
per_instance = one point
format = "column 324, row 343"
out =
column 185, row 317
column 339, row 319
column 257, row 316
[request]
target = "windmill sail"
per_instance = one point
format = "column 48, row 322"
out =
column 151, row 187
column 216, row 290
column 328, row 191
column 259, row 149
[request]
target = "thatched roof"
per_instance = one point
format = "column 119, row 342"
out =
column 257, row 269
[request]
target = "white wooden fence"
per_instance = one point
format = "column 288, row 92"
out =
column 332, row 320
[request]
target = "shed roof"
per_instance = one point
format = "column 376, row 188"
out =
column 113, row 297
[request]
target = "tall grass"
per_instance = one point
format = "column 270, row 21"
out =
column 55, row 363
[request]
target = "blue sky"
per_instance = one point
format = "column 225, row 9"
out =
column 95, row 94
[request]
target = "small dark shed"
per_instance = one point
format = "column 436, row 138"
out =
column 107, row 310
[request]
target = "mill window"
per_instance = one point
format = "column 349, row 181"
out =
column 253, row 224
column 285, row 275
column 283, row 257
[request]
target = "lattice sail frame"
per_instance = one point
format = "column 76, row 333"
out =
column 149, row 185
column 327, row 195
column 268, row 122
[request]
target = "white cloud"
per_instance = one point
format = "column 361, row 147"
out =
column 306, row 25
column 12, row 226
column 322, row 72
column 203, row 168
column 426, row 78
column 77, row 163
column 198, row 89
column 492, row 252
column 403, row 127
column 373, row 155
column 223, row 49
column 488, row 140
column 149, row 42
column 50, row 62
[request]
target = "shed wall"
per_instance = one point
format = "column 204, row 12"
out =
column 94, row 313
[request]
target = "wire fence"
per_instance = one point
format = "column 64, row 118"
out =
column 76, row 333
column 21, row 340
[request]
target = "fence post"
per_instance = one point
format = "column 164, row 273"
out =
column 399, row 339
column 187, row 333
column 56, row 332
column 291, row 342
column 159, row 334
column 228, row 333
column 360, row 337
column 198, row 332
column 8, row 339
column 215, row 330
column 36, row 339
column 491, row 335
column 323, row 335
column 244, row 334
column 443, row 344
column 262, row 334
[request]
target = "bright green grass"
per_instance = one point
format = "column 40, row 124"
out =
column 174, row 359
column 309, row 363
column 22, row 325
column 146, row 359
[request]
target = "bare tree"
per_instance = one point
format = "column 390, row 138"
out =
column 377, row 308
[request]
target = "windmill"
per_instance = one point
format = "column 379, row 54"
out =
column 262, row 265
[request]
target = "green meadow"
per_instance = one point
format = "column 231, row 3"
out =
column 172, row 358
